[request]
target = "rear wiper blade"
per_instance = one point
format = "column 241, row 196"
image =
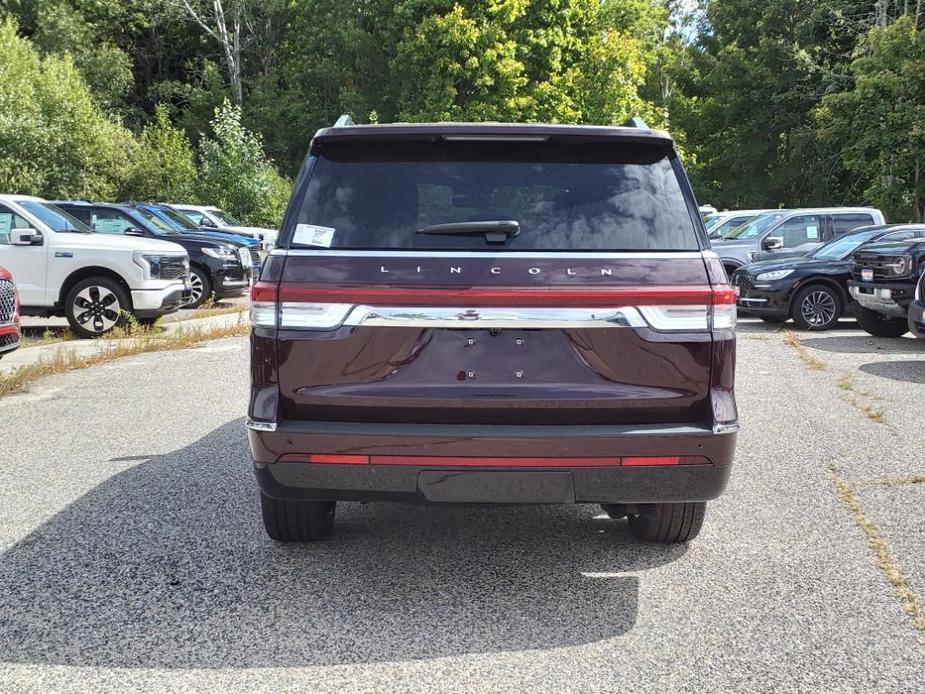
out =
column 495, row 230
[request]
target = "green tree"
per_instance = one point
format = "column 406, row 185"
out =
column 55, row 140
column 878, row 124
column 163, row 168
column 567, row 61
column 745, row 91
column 236, row 175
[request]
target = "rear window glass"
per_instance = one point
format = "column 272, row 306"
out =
column 563, row 197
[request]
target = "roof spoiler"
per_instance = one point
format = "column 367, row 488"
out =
column 635, row 122
column 344, row 121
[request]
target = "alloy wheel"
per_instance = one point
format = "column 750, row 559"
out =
column 818, row 308
column 97, row 309
column 196, row 287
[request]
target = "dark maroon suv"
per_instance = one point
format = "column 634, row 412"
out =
column 492, row 314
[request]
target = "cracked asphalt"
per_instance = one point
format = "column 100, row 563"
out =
column 132, row 557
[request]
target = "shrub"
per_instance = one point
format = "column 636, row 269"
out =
column 236, row 175
column 164, row 168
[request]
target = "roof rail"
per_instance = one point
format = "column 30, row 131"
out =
column 344, row 121
column 635, row 122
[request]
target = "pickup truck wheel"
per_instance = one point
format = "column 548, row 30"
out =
column 879, row 325
column 816, row 307
column 94, row 306
column 668, row 523
column 201, row 286
column 295, row 520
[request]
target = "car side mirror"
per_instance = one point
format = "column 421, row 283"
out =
column 25, row 237
column 208, row 223
column 133, row 231
column 772, row 243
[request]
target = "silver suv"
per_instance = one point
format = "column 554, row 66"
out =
column 781, row 233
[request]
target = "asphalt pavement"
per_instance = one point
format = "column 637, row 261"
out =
column 132, row 555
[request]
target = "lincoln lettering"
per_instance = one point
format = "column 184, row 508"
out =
column 495, row 270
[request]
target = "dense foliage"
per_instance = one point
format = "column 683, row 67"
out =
column 781, row 102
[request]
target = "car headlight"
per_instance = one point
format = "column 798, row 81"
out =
column 773, row 275
column 150, row 264
column 900, row 265
column 221, row 252
column 244, row 255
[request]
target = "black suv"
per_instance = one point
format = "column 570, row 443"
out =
column 492, row 314
column 218, row 267
column 883, row 282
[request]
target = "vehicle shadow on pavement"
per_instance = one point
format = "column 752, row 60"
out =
column 166, row 565
column 865, row 344
column 907, row 371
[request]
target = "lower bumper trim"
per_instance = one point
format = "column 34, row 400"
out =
column 492, row 486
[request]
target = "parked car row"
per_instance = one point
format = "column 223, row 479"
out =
column 873, row 273
column 93, row 263
column 791, row 232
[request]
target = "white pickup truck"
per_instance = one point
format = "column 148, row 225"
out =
column 63, row 268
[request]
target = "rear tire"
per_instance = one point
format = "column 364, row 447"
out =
column 879, row 325
column 816, row 307
column 295, row 520
column 668, row 523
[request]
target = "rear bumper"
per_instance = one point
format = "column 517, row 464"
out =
column 445, row 483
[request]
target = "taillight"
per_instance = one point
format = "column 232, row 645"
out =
column 724, row 307
column 264, row 304
column 687, row 308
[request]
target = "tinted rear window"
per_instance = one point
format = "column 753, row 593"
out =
column 573, row 197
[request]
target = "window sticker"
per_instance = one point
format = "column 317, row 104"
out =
column 108, row 226
column 812, row 233
column 312, row 235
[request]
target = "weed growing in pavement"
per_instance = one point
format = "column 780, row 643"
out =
column 49, row 336
column 811, row 360
column 873, row 412
column 70, row 360
column 885, row 560
column 893, row 481
column 210, row 308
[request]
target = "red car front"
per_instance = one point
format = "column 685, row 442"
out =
column 10, row 334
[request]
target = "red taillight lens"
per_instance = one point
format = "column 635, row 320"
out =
column 264, row 308
column 505, row 462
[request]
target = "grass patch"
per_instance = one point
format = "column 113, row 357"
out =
column 846, row 382
column 210, row 308
column 811, row 360
column 894, row 481
column 853, row 395
column 138, row 339
column 885, row 560
column 49, row 336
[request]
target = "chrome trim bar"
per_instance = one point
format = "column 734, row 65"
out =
column 539, row 255
column 443, row 317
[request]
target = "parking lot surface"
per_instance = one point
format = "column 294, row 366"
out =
column 132, row 554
